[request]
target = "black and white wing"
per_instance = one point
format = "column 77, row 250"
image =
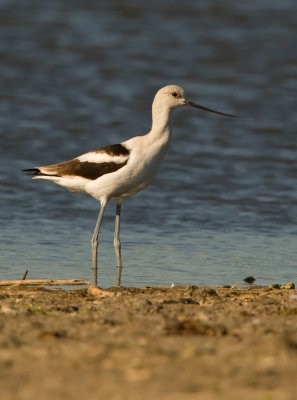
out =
column 89, row 166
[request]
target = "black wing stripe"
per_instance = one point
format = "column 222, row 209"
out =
column 113, row 150
column 92, row 171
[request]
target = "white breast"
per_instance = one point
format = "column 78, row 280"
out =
column 144, row 161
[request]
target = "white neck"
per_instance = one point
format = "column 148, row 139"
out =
column 160, row 120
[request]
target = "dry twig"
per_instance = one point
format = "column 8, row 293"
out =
column 45, row 282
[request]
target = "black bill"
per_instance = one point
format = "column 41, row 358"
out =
column 189, row 103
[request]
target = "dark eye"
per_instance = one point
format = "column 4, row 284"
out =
column 174, row 94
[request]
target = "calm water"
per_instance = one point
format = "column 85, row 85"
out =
column 78, row 75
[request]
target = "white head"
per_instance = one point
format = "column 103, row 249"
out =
column 173, row 96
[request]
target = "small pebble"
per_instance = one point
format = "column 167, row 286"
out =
column 250, row 279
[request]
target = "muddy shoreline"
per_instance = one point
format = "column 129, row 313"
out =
column 127, row 343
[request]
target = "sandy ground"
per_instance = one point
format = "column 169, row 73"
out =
column 179, row 343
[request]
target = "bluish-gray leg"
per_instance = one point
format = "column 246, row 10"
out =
column 94, row 243
column 117, row 244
